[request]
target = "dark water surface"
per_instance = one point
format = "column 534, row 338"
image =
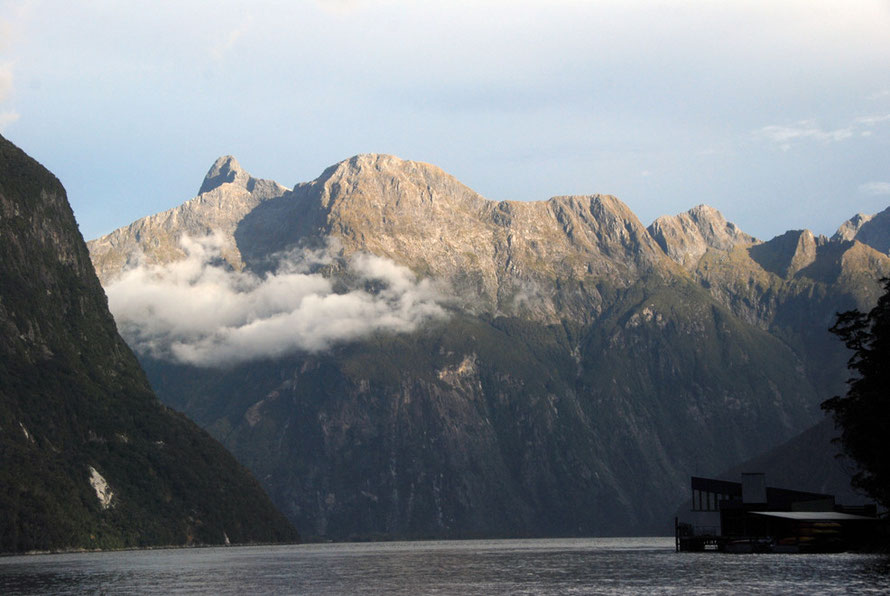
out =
column 575, row 566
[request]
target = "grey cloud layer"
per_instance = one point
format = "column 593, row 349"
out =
column 199, row 312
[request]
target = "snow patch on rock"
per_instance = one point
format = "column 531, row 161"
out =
column 26, row 433
column 103, row 490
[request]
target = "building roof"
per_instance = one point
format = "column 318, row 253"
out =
column 779, row 498
column 813, row 515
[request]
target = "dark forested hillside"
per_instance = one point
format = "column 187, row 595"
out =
column 89, row 458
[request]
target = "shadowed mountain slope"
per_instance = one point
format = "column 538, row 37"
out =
column 810, row 462
column 89, row 458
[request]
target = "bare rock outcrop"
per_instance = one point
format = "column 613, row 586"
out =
column 789, row 253
column 686, row 237
column 873, row 230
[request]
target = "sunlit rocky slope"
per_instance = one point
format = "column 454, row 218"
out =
column 563, row 372
column 89, row 458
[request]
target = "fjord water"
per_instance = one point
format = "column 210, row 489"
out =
column 561, row 566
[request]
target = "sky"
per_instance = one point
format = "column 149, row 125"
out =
column 777, row 113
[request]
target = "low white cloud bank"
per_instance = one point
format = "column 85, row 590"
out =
column 199, row 311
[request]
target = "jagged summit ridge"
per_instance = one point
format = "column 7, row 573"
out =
column 413, row 213
column 494, row 253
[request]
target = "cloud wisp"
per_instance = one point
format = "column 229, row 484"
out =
column 198, row 311
column 784, row 136
column 10, row 24
column 227, row 43
column 875, row 188
column 5, row 80
column 7, row 116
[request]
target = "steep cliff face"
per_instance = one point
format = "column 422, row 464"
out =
column 501, row 427
column 585, row 366
column 88, row 457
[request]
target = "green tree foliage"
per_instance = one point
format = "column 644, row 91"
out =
column 863, row 414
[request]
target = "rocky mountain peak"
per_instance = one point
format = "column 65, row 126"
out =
column 867, row 229
column 849, row 229
column 789, row 253
column 226, row 195
column 225, row 170
column 386, row 181
column 687, row 236
column 378, row 162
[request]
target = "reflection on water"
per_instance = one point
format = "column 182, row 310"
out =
column 577, row 566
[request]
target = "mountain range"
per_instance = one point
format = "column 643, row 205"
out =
column 395, row 356
column 89, row 458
